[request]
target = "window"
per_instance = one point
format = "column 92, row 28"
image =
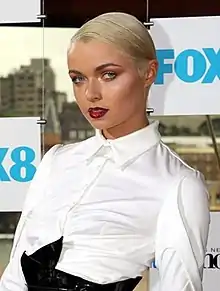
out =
column 209, row 168
column 21, row 77
column 72, row 134
column 90, row 133
column 209, row 157
column 195, row 157
column 81, row 134
column 218, row 198
column 21, row 99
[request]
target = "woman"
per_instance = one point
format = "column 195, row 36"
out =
column 99, row 212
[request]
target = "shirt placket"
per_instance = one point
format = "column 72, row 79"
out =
column 93, row 171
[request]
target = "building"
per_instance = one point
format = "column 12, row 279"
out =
column 49, row 140
column 21, row 92
column 60, row 99
column 189, row 141
column 214, row 191
column 52, row 117
column 198, row 152
column 74, row 126
column 202, row 159
column 27, row 87
column 187, row 125
column 191, row 122
column 6, row 93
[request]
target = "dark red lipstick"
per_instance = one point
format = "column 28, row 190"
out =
column 97, row 112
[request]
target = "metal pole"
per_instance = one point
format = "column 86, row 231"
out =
column 149, row 111
column 42, row 122
column 214, row 143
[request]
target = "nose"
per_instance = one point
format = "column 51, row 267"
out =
column 93, row 93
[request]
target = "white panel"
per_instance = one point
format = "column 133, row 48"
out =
column 20, row 154
column 188, row 81
column 19, row 11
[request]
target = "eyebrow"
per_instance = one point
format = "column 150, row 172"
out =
column 97, row 69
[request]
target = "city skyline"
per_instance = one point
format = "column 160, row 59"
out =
column 20, row 44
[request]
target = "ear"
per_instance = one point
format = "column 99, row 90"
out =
column 151, row 73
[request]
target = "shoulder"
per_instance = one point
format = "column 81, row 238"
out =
column 173, row 159
column 79, row 148
column 193, row 192
column 191, row 182
column 73, row 152
column 175, row 166
column 180, row 177
column 188, row 193
column 186, row 202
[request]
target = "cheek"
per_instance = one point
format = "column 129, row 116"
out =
column 124, row 92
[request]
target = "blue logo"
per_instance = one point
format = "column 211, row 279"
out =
column 205, row 65
column 22, row 169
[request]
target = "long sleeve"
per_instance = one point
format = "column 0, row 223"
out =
column 182, row 235
column 12, row 278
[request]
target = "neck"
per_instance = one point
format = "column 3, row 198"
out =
column 125, row 128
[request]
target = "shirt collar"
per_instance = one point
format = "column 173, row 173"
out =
column 127, row 148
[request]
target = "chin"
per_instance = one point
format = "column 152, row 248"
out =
column 99, row 124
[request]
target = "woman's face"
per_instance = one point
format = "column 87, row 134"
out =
column 108, row 87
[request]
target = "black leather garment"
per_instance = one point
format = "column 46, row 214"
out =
column 40, row 273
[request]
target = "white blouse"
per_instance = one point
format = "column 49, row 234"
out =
column 119, row 204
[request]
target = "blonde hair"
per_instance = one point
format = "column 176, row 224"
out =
column 122, row 30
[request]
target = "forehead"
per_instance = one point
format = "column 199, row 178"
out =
column 94, row 53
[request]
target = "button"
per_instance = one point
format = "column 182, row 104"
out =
column 107, row 143
column 107, row 156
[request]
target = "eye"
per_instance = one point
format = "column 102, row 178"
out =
column 109, row 75
column 77, row 79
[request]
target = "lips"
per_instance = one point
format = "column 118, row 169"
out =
column 97, row 112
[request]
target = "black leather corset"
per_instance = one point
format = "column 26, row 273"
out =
column 40, row 274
